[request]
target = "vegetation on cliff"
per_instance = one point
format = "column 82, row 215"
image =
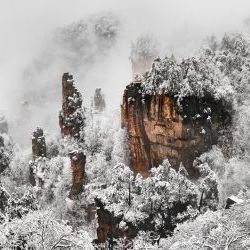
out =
column 220, row 71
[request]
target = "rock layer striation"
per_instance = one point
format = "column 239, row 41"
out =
column 78, row 161
column 160, row 128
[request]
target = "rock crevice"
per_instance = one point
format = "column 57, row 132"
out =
column 160, row 128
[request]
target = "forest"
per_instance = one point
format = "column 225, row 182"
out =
column 167, row 168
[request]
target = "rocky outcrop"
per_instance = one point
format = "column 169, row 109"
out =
column 4, row 197
column 111, row 228
column 143, row 52
column 6, row 146
column 78, row 161
column 71, row 118
column 39, row 152
column 108, row 226
column 4, row 155
column 233, row 200
column 98, row 100
column 38, row 144
column 3, row 125
column 141, row 65
column 159, row 128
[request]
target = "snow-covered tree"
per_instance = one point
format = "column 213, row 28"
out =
column 228, row 229
column 42, row 230
column 153, row 202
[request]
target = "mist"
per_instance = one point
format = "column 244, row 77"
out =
column 34, row 54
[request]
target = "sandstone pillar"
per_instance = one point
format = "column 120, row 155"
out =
column 38, row 154
column 78, row 161
column 71, row 117
column 98, row 100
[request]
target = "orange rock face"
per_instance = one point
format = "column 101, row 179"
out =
column 158, row 128
column 78, row 161
column 71, row 118
column 108, row 226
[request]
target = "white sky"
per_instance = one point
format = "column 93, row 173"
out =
column 25, row 23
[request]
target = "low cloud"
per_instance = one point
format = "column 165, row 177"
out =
column 42, row 39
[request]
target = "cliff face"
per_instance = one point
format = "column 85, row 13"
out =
column 158, row 128
column 71, row 118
